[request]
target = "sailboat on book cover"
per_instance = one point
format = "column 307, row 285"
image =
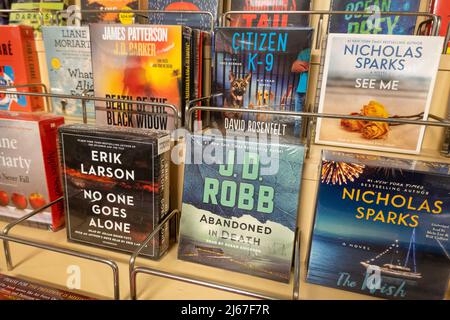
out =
column 397, row 270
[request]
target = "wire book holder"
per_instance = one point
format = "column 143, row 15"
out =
column 58, row 17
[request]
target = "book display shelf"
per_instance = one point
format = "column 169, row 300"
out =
column 38, row 254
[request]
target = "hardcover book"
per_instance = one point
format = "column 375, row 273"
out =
column 264, row 20
column 29, row 172
column 374, row 23
column 19, row 64
column 116, row 186
column 441, row 8
column 68, row 55
column 382, row 227
column 104, row 6
column 265, row 69
column 148, row 63
column 4, row 17
column 198, row 21
column 377, row 76
column 29, row 18
column 12, row 288
column 240, row 201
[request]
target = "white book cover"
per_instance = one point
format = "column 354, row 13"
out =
column 386, row 76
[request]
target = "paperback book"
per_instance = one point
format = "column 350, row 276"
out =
column 12, row 288
column 29, row 171
column 377, row 76
column 104, row 16
column 198, row 21
column 382, row 227
column 116, row 184
column 68, row 55
column 262, row 69
column 374, row 23
column 30, row 18
column 19, row 64
column 148, row 63
column 264, row 20
column 240, row 202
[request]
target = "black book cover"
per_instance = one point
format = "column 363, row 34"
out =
column 116, row 186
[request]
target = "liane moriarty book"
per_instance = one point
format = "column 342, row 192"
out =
column 377, row 76
column 265, row 69
column 148, row 63
column 116, row 186
column 264, row 20
column 374, row 24
column 382, row 226
column 198, row 21
column 68, row 54
column 240, row 203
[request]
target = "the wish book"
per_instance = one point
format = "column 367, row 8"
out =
column 19, row 65
column 382, row 227
column 377, row 76
column 201, row 21
column 261, row 69
column 29, row 168
column 240, row 202
column 116, row 184
column 68, row 54
column 267, row 19
column 144, row 63
column 375, row 22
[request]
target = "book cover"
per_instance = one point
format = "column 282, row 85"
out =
column 19, row 64
column 382, row 227
column 149, row 63
column 104, row 6
column 377, row 76
column 264, row 20
column 116, row 183
column 197, row 21
column 29, row 172
column 4, row 17
column 266, row 69
column 441, row 8
column 240, row 201
column 68, row 55
column 12, row 288
column 374, row 24
column 32, row 19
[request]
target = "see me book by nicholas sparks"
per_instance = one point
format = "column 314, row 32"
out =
column 240, row 201
column 377, row 76
column 382, row 227
column 263, row 69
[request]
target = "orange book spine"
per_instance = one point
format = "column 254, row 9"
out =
column 32, row 67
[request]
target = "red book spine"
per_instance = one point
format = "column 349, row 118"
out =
column 31, row 62
column 49, row 140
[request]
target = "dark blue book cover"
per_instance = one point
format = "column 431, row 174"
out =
column 263, row 69
column 197, row 21
column 382, row 227
column 240, row 204
column 376, row 23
